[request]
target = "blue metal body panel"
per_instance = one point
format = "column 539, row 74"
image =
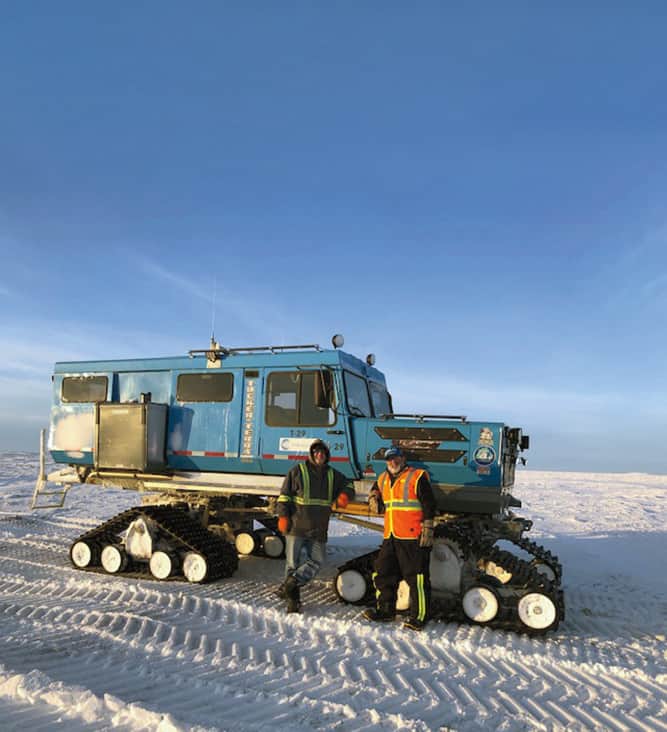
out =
column 234, row 437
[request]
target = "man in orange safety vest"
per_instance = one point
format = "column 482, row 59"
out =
column 405, row 496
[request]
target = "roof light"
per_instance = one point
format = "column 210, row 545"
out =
column 370, row 359
column 338, row 341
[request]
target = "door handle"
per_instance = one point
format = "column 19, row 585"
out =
column 335, row 432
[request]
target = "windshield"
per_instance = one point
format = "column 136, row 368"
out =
column 380, row 398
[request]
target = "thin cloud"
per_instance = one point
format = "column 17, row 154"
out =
column 526, row 402
column 632, row 271
column 255, row 314
column 654, row 286
column 192, row 287
column 33, row 347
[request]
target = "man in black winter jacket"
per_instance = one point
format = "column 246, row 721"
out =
column 309, row 491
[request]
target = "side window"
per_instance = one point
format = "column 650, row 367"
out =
column 84, row 389
column 290, row 401
column 380, row 397
column 357, row 395
column 281, row 398
column 205, row 387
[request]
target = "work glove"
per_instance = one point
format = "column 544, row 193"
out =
column 283, row 524
column 426, row 536
column 342, row 500
column 375, row 502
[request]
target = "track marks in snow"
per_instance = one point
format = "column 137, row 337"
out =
column 224, row 655
column 440, row 677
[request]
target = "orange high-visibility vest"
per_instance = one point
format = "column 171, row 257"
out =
column 403, row 514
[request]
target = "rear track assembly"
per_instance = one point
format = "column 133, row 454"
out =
column 193, row 551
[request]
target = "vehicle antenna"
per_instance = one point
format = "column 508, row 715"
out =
column 215, row 293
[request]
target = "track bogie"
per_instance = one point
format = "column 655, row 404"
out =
column 160, row 541
column 475, row 581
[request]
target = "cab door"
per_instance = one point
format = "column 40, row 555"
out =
column 292, row 421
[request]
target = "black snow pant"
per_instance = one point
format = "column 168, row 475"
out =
column 403, row 559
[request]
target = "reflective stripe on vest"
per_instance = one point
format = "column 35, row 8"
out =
column 306, row 500
column 403, row 512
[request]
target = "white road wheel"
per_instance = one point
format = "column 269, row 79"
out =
column 537, row 611
column 246, row 542
column 480, row 604
column 81, row 554
column 195, row 567
column 403, row 596
column 351, row 585
column 162, row 565
column 273, row 546
column 114, row 559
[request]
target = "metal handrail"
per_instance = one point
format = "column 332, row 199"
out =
column 422, row 417
column 249, row 349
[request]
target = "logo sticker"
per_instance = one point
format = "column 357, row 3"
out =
column 485, row 436
column 484, row 455
column 295, row 444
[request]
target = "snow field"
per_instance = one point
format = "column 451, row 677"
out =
column 89, row 651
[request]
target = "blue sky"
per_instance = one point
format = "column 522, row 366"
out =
column 477, row 195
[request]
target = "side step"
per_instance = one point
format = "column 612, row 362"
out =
column 42, row 483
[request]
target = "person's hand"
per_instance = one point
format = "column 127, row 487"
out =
column 283, row 524
column 375, row 503
column 342, row 500
column 426, row 536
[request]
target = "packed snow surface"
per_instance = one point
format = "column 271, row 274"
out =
column 81, row 651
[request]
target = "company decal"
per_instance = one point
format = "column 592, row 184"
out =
column 484, row 455
column 248, row 431
column 295, row 444
column 485, row 436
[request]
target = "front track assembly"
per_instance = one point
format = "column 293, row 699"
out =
column 490, row 586
column 181, row 547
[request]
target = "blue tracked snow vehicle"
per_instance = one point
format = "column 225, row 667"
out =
column 209, row 437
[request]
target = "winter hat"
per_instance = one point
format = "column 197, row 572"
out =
column 319, row 445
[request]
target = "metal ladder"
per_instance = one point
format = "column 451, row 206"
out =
column 42, row 481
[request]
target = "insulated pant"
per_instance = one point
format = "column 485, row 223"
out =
column 304, row 558
column 403, row 559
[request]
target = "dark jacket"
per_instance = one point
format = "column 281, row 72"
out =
column 424, row 494
column 309, row 506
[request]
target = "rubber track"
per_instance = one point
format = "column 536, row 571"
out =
column 525, row 579
column 182, row 531
column 544, row 555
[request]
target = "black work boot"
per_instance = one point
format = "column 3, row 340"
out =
column 414, row 624
column 293, row 595
column 280, row 591
column 380, row 614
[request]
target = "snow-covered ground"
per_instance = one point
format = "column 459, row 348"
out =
column 90, row 652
